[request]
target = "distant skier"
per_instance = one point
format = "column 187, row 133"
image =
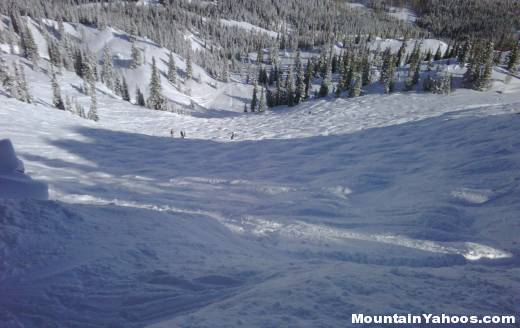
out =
column 183, row 134
column 233, row 135
column 172, row 133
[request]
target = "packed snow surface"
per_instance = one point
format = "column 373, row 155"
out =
column 381, row 204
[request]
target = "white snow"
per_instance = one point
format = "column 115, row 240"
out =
column 378, row 204
column 14, row 183
column 426, row 45
column 249, row 27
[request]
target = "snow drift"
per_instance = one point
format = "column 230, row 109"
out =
column 14, row 183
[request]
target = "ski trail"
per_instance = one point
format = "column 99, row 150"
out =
column 312, row 232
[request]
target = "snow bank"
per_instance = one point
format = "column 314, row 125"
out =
column 14, row 183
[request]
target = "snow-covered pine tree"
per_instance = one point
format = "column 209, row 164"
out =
column 262, row 101
column 18, row 80
column 87, row 73
column 10, row 38
column 125, row 93
column 8, row 81
column 136, row 57
column 29, row 47
column 78, row 62
column 80, row 110
column 57, row 101
column 446, row 83
column 156, row 99
column 387, row 71
column 438, row 54
column 61, row 28
column 225, row 71
column 24, row 88
column 68, row 57
column 139, row 97
column 68, row 104
column 513, row 58
column 289, row 87
column 4, row 71
column 401, row 54
column 308, row 79
column 464, row 53
column 366, row 70
column 299, row 94
column 254, row 99
column 326, row 81
column 189, row 67
column 107, row 71
column 55, row 55
column 484, row 81
column 92, row 113
column 117, row 86
column 172, row 69
column 355, row 88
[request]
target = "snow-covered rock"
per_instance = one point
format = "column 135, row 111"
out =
column 14, row 183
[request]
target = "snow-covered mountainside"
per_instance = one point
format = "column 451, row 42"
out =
column 379, row 204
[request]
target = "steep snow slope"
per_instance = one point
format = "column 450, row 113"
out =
column 202, row 95
column 380, row 204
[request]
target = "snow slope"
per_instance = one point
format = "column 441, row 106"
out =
column 362, row 205
column 382, row 204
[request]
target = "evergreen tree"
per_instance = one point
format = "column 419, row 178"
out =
column 400, row 54
column 8, row 81
column 125, row 94
column 513, row 58
column 189, row 67
column 355, row 88
column 55, row 55
column 326, row 82
column 107, row 72
column 78, row 62
column 29, row 47
column 136, row 58
column 156, row 99
column 10, row 38
column 289, row 87
column 92, row 113
column 56, row 93
column 80, row 110
column 438, row 54
column 484, row 81
column 68, row 104
column 225, row 71
column 87, row 72
column 262, row 102
column 117, row 86
column 24, row 88
column 387, row 71
column 299, row 94
column 366, row 74
column 139, row 97
column 254, row 99
column 308, row 79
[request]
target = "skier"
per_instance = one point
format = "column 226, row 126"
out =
column 233, row 135
column 172, row 133
column 183, row 134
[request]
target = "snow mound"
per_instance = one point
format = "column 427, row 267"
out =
column 14, row 183
column 472, row 196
